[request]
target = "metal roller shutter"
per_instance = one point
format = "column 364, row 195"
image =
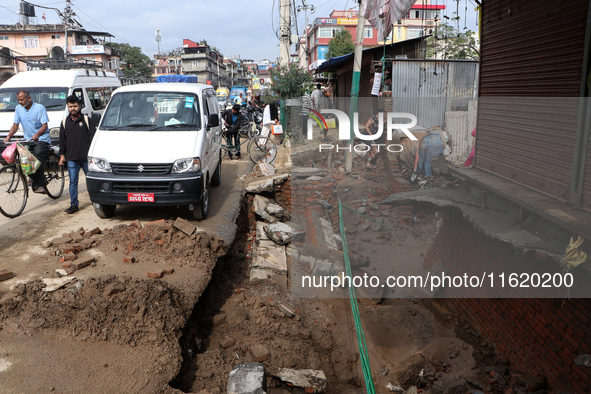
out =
column 520, row 136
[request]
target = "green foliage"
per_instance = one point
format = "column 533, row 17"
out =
column 448, row 42
column 341, row 44
column 289, row 81
column 133, row 61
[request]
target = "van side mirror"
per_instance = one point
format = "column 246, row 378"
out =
column 95, row 118
column 213, row 121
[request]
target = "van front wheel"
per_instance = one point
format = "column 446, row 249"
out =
column 104, row 210
column 201, row 210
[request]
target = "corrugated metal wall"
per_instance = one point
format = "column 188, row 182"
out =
column 524, row 138
column 429, row 88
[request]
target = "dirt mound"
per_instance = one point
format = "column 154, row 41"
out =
column 119, row 309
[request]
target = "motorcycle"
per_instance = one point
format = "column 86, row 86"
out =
column 254, row 120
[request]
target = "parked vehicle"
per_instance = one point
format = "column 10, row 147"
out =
column 51, row 88
column 235, row 92
column 157, row 144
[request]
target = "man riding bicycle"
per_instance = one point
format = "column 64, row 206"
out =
column 233, row 120
column 33, row 118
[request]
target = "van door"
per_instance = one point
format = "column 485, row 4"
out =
column 215, row 132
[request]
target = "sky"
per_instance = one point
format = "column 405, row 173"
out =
column 236, row 27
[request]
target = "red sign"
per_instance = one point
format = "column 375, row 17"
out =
column 140, row 197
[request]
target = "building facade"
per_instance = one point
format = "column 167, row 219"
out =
column 36, row 42
column 203, row 61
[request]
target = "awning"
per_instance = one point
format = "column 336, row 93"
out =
column 333, row 63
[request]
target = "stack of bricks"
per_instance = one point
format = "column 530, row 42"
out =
column 283, row 195
column 539, row 336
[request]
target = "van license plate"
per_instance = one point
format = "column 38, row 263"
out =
column 140, row 197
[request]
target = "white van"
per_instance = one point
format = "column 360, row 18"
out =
column 51, row 88
column 157, row 144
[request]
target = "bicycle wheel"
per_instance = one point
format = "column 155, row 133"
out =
column 54, row 175
column 262, row 150
column 13, row 191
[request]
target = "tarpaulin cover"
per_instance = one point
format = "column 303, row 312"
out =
column 383, row 14
column 177, row 78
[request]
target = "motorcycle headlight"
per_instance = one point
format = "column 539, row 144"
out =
column 183, row 166
column 54, row 133
column 98, row 165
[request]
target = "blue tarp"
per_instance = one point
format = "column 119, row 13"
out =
column 177, row 78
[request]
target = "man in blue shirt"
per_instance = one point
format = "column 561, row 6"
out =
column 233, row 120
column 33, row 118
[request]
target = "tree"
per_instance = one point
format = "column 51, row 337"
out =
column 447, row 42
column 133, row 61
column 289, row 81
column 341, row 44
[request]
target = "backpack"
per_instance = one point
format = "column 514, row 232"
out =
column 85, row 117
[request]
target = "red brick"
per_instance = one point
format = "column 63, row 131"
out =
column 82, row 264
column 168, row 270
column 155, row 273
column 70, row 257
column 154, row 222
column 5, row 275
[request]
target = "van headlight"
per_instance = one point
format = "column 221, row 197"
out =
column 98, row 165
column 54, row 133
column 183, row 166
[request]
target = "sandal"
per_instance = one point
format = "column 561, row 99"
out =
column 40, row 190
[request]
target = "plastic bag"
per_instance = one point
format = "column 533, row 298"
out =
column 29, row 163
column 277, row 129
column 9, row 153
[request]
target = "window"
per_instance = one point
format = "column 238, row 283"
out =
column 30, row 42
column 78, row 92
column 399, row 32
column 56, row 36
column 99, row 97
column 52, row 98
column 113, row 63
column 416, row 14
column 414, row 32
column 327, row 31
column 194, row 63
column 368, row 32
column 4, row 38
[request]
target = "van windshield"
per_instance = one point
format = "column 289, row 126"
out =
column 152, row 111
column 237, row 91
column 52, row 98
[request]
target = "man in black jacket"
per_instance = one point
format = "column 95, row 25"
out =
column 233, row 120
column 76, row 134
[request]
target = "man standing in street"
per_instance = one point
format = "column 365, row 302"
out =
column 33, row 117
column 75, row 137
column 233, row 120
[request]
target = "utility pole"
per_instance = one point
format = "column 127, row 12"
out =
column 67, row 15
column 312, row 9
column 284, row 31
column 355, row 83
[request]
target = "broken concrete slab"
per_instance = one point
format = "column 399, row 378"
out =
column 259, row 205
column 258, row 275
column 305, row 378
column 261, row 234
column 52, row 284
column 184, row 226
column 247, row 379
column 277, row 211
column 270, row 256
column 279, row 232
column 264, row 185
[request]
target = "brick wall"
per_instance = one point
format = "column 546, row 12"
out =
column 539, row 336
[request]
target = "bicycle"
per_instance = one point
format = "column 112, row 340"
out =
column 14, row 187
column 260, row 149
